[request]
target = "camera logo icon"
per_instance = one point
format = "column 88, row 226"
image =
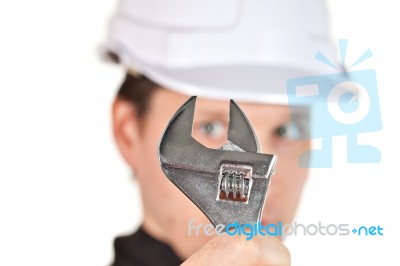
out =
column 342, row 103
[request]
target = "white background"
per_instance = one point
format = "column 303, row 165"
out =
column 65, row 193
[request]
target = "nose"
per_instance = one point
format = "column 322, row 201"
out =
column 265, row 143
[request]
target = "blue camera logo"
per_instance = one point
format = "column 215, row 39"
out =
column 343, row 103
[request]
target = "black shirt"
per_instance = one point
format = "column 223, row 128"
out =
column 143, row 250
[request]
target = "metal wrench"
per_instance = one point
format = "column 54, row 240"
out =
column 228, row 184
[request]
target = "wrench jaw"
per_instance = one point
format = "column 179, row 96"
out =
column 240, row 131
column 227, row 184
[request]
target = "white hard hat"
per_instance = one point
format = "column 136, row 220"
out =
column 220, row 49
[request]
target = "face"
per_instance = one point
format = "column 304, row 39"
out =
column 167, row 211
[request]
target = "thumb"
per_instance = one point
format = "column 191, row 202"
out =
column 236, row 250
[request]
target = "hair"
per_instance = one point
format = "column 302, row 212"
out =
column 138, row 90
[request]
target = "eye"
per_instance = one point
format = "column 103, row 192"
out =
column 288, row 131
column 213, row 129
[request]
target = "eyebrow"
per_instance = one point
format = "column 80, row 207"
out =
column 300, row 111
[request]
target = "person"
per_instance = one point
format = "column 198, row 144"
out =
column 217, row 50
